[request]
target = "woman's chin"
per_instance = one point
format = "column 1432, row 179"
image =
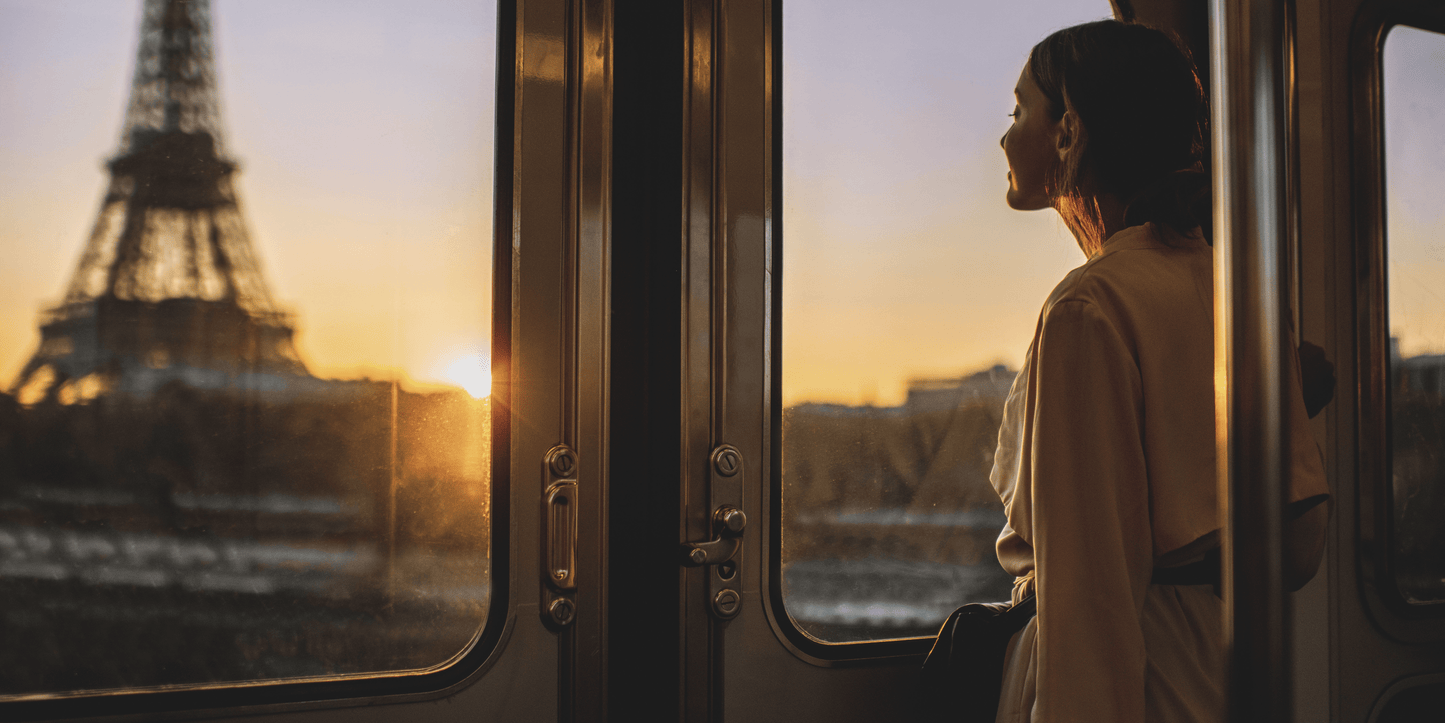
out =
column 1020, row 202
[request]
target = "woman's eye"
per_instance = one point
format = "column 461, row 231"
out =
column 1014, row 114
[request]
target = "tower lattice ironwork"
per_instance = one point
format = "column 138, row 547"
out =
column 169, row 286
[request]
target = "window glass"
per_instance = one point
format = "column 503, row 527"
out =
column 1414, row 94
column 243, row 398
column 910, row 294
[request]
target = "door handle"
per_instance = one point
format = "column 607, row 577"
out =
column 559, row 537
column 561, row 552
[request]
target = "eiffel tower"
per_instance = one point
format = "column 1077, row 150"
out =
column 169, row 286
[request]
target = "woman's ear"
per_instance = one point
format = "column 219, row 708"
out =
column 1067, row 134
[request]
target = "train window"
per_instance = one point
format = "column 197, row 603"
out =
column 1414, row 109
column 244, row 426
column 909, row 295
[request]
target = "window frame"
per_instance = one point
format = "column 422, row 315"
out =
column 481, row 653
column 1397, row 618
column 877, row 652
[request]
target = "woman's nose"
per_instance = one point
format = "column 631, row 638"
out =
column 1002, row 139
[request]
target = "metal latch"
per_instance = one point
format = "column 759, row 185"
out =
column 720, row 554
column 728, row 523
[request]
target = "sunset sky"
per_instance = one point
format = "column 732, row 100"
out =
column 364, row 134
column 900, row 257
column 1414, row 67
column 363, row 130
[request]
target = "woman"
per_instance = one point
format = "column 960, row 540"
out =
column 1106, row 457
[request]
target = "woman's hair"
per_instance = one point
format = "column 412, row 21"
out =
column 1142, row 118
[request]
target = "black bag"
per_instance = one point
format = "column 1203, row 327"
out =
column 963, row 673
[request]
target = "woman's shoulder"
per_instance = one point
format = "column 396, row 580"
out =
column 1138, row 264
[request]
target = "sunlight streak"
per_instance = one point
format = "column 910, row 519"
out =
column 473, row 373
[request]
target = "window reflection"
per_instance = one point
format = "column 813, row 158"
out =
column 1414, row 95
column 199, row 483
column 910, row 293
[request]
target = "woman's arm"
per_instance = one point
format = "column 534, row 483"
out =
column 1093, row 546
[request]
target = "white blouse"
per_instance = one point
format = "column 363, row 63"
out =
column 1106, row 468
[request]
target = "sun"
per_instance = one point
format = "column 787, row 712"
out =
column 472, row 373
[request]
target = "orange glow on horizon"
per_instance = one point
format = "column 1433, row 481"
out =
column 471, row 373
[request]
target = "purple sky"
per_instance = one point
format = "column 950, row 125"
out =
column 1414, row 65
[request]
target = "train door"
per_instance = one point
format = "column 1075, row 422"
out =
column 376, row 541
column 1368, row 632
column 810, row 350
column 696, row 254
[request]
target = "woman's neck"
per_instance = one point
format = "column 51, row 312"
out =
column 1111, row 209
column 1110, row 220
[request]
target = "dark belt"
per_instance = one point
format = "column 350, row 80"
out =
column 1204, row 572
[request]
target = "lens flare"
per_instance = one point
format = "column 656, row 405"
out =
column 472, row 373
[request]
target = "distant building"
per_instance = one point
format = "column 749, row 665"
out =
column 947, row 393
column 889, row 520
column 1420, row 373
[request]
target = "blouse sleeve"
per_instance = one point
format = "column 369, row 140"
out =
column 1090, row 501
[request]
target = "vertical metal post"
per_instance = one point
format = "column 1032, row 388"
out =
column 1248, row 83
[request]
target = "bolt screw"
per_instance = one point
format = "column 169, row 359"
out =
column 731, row 518
column 562, row 461
column 726, row 603
column 562, row 611
column 727, row 461
column 698, row 556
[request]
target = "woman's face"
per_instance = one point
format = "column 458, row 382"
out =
column 1031, row 146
